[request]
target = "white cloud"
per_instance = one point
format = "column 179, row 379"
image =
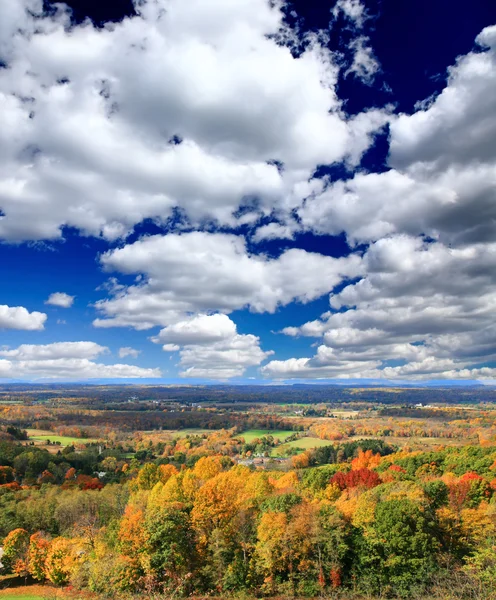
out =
column 210, row 347
column 86, row 141
column 353, row 10
column 65, row 360
column 420, row 303
column 222, row 360
column 444, row 167
column 18, row 317
column 84, row 134
column 365, row 64
column 204, row 272
column 170, row 347
column 198, row 330
column 60, row 299
column 273, row 231
column 126, row 351
column 425, row 307
column 54, row 351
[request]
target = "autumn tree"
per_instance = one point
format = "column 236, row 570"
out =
column 59, row 560
column 15, row 551
column 39, row 546
column 365, row 460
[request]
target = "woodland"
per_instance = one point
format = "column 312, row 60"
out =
column 358, row 499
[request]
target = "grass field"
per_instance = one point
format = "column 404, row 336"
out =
column 21, row 596
column 40, row 592
column 28, row 592
column 38, row 435
column 305, row 443
column 17, row 596
column 253, row 434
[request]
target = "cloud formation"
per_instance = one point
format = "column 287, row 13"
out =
column 210, row 347
column 202, row 272
column 60, row 299
column 65, row 360
column 127, row 351
column 443, row 174
column 421, row 304
column 208, row 96
column 212, row 118
column 18, row 317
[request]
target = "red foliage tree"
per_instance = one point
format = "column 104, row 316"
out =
column 364, row 478
column 397, row 469
column 85, row 482
column 6, row 475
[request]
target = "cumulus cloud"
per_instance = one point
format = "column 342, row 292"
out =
column 198, row 330
column 221, row 116
column 203, row 272
column 210, row 347
column 127, row 351
column 209, row 99
column 18, row 317
column 54, row 351
column 222, row 360
column 60, row 299
column 444, row 167
column 424, row 308
column 274, row 231
column 420, row 303
column 65, row 360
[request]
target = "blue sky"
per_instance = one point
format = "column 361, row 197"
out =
column 235, row 190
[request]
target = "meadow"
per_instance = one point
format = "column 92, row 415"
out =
column 253, row 434
column 42, row 436
column 304, row 443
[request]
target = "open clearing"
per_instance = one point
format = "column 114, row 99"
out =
column 253, row 434
column 16, row 596
column 304, row 443
column 39, row 435
column 41, row 592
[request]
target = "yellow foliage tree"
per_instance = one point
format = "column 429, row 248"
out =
column 60, row 559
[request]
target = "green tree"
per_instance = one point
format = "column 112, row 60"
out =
column 171, row 545
column 397, row 552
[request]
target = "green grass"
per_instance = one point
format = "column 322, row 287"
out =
column 253, row 434
column 43, row 436
column 305, row 443
column 22, row 597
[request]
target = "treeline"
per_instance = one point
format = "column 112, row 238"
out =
column 132, row 420
column 100, row 395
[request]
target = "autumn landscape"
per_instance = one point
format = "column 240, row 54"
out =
column 170, row 491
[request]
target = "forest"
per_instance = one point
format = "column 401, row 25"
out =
column 364, row 501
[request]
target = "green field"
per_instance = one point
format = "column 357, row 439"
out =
column 305, row 443
column 37, row 435
column 22, row 597
column 253, row 434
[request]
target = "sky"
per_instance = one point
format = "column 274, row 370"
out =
column 248, row 191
